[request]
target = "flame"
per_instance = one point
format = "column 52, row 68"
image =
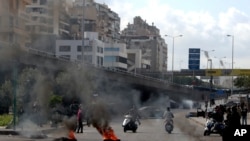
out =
column 107, row 133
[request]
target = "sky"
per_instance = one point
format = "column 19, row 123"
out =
column 204, row 24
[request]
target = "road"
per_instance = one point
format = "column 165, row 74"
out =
column 149, row 130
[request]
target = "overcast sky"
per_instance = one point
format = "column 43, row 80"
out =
column 204, row 24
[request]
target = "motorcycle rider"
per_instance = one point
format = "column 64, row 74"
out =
column 135, row 114
column 217, row 117
column 168, row 115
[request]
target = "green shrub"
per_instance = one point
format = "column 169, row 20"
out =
column 5, row 119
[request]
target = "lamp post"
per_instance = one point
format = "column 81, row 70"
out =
column 173, row 37
column 220, row 60
column 232, row 36
column 207, row 55
column 82, row 30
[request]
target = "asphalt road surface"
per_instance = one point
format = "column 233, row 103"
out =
column 149, row 130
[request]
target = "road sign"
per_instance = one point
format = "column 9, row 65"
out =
column 194, row 59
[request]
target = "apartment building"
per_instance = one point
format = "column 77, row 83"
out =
column 95, row 52
column 92, row 53
column 13, row 18
column 141, row 35
column 115, row 56
column 108, row 23
column 49, row 21
column 97, row 18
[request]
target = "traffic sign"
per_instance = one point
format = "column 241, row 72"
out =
column 194, row 59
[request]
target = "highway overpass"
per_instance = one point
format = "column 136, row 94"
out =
column 147, row 85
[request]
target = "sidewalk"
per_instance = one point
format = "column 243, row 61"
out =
column 46, row 128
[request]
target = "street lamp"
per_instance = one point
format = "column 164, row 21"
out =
column 82, row 30
column 173, row 37
column 220, row 61
column 206, row 53
column 232, row 36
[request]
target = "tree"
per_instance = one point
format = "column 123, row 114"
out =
column 6, row 97
column 242, row 81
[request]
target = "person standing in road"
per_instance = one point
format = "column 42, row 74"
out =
column 244, row 115
column 79, row 120
column 235, row 118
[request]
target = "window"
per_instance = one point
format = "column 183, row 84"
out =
column 43, row 2
column 79, row 57
column 42, row 20
column 137, row 43
column 99, row 49
column 87, row 48
column 88, row 58
column 34, row 18
column 122, row 60
column 64, row 48
column 34, row 1
column 11, row 22
column 79, row 48
column 99, row 60
column 110, row 58
column 111, row 49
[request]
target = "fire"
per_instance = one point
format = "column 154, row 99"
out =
column 107, row 134
column 99, row 118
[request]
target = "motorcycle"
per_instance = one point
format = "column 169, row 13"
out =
column 169, row 127
column 213, row 127
column 129, row 124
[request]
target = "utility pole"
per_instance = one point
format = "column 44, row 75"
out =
column 82, row 30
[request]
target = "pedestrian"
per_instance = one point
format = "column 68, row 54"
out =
column 228, row 115
column 244, row 115
column 234, row 120
column 79, row 119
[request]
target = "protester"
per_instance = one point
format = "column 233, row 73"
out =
column 79, row 120
column 235, row 118
column 244, row 115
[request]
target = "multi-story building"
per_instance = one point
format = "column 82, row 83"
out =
column 13, row 18
column 115, row 56
column 140, row 35
column 95, row 52
column 108, row 24
column 49, row 21
column 97, row 18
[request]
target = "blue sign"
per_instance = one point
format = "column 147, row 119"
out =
column 194, row 59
